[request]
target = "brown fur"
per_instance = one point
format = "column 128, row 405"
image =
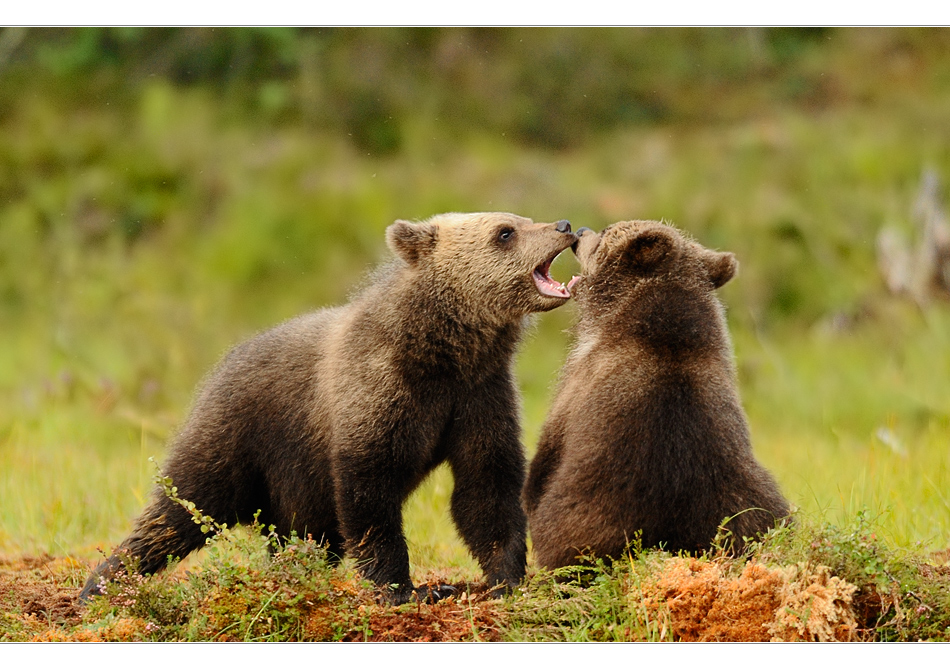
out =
column 646, row 433
column 328, row 422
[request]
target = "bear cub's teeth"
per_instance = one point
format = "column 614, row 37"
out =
column 547, row 285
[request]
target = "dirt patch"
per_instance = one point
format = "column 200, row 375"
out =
column 701, row 602
column 473, row 615
column 442, row 622
column 39, row 596
column 33, row 587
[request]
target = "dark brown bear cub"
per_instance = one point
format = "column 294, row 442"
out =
column 646, row 434
column 328, row 422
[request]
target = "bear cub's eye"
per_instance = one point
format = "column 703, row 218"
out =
column 506, row 234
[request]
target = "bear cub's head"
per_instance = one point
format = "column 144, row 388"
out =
column 497, row 263
column 646, row 264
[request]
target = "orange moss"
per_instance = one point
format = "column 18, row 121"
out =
column 123, row 629
column 816, row 606
column 320, row 623
column 698, row 602
column 72, row 636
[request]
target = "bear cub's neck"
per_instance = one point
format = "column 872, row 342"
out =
column 438, row 331
column 667, row 317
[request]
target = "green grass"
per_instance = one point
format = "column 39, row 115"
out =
column 111, row 334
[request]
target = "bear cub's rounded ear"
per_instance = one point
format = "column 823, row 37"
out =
column 411, row 241
column 721, row 267
column 648, row 248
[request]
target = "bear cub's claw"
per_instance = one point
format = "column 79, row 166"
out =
column 424, row 594
column 431, row 594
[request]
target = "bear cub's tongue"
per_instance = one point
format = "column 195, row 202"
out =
column 547, row 285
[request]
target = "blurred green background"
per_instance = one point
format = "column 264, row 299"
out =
column 166, row 193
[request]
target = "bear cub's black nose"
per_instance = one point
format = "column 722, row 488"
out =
column 563, row 226
column 581, row 231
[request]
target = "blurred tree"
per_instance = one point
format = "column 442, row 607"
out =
column 547, row 86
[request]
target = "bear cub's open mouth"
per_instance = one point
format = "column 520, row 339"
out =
column 547, row 285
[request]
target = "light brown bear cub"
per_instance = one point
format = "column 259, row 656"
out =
column 646, row 433
column 328, row 422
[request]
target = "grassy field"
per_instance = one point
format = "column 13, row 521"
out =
column 147, row 228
